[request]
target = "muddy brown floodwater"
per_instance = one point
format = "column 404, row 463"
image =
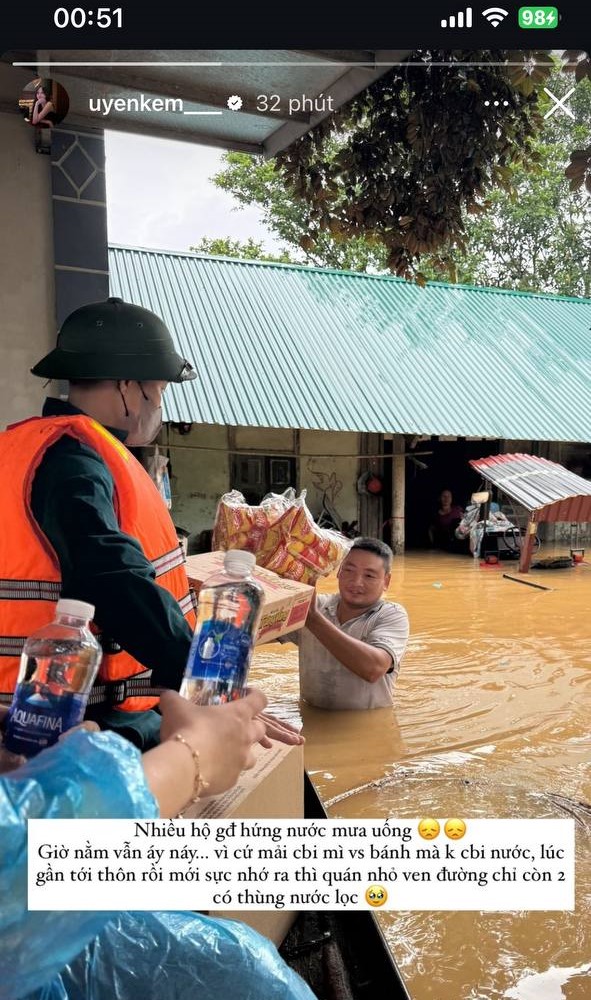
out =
column 492, row 719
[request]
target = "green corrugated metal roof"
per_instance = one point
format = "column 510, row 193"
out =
column 283, row 346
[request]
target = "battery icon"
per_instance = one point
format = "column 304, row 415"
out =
column 538, row 17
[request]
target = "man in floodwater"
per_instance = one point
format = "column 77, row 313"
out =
column 353, row 642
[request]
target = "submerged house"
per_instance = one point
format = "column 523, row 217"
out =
column 312, row 377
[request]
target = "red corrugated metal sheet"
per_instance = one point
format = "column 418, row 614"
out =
column 547, row 488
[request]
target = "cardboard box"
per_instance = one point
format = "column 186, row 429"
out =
column 286, row 601
column 272, row 789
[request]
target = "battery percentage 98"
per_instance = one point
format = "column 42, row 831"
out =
column 538, row 17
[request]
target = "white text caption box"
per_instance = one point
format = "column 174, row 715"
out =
column 499, row 864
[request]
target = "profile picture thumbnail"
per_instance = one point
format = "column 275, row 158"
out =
column 44, row 103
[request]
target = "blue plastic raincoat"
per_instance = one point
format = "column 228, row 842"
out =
column 120, row 956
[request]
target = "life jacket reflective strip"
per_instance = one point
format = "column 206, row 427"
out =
column 30, row 577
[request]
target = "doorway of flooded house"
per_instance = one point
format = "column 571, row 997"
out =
column 446, row 468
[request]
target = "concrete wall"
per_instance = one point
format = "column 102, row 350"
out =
column 28, row 327
column 39, row 213
column 200, row 465
column 328, row 462
column 199, row 473
column 257, row 439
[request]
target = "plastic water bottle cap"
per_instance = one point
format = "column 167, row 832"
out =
column 240, row 562
column 76, row 609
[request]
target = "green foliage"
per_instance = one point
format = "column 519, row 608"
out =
column 255, row 181
column 536, row 233
column 526, row 228
column 250, row 250
column 417, row 150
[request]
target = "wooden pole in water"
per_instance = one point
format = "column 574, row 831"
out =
column 527, row 546
column 526, row 583
column 398, row 493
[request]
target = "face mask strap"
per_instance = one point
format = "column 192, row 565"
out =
column 123, row 398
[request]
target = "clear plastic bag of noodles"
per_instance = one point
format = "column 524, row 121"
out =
column 282, row 534
column 238, row 525
column 259, row 529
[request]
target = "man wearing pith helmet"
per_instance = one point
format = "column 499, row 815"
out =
column 82, row 518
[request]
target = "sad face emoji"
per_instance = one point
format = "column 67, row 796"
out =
column 429, row 829
column 455, row 829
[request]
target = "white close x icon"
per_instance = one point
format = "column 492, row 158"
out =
column 559, row 103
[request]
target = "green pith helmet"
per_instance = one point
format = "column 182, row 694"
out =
column 114, row 340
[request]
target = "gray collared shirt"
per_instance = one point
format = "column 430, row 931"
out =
column 326, row 683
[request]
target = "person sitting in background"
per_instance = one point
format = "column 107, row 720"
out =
column 353, row 642
column 100, row 775
column 449, row 515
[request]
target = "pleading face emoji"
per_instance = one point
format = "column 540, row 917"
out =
column 376, row 895
column 429, row 829
column 455, row 829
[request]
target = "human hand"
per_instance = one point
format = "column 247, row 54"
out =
column 224, row 735
column 90, row 727
column 282, row 732
column 8, row 761
column 313, row 611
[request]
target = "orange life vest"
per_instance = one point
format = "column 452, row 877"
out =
column 30, row 577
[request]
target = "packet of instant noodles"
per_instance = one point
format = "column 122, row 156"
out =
column 282, row 534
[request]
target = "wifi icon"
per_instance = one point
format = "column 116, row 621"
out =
column 494, row 15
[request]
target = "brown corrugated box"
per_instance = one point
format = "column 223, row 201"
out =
column 286, row 601
column 272, row 789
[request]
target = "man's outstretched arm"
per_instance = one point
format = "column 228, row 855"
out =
column 369, row 659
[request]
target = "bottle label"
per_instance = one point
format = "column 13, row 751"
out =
column 38, row 718
column 219, row 658
column 220, row 653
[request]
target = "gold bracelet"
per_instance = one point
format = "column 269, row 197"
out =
column 200, row 785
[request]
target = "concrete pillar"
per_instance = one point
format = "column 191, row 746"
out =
column 79, row 217
column 27, row 331
column 398, row 493
column 53, row 256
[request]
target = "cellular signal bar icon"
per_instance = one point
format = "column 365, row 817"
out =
column 463, row 19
